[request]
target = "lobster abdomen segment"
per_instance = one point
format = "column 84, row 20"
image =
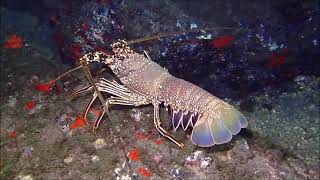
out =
column 183, row 95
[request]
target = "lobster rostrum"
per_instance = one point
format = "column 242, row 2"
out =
column 144, row 82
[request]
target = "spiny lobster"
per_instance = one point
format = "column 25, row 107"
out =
column 145, row 82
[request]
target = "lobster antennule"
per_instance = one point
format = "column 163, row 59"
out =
column 218, row 130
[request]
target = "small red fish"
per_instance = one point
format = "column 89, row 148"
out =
column 278, row 58
column 144, row 172
column 85, row 26
column 78, row 123
column 222, row 41
column 12, row 134
column 15, row 42
column 31, row 104
column 45, row 87
column 134, row 154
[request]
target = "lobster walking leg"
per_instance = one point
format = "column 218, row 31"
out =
column 104, row 85
column 162, row 131
column 126, row 97
column 88, row 74
column 123, row 96
column 98, row 120
column 94, row 96
column 81, row 91
column 115, row 101
column 125, row 102
column 89, row 106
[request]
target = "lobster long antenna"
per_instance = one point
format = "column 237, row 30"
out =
column 68, row 72
column 158, row 36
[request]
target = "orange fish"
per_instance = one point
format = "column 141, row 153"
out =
column 15, row 42
column 45, row 87
column 134, row 154
column 31, row 104
column 222, row 41
column 78, row 123
column 144, row 172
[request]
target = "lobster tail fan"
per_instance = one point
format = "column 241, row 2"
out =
column 201, row 134
column 233, row 120
column 219, row 129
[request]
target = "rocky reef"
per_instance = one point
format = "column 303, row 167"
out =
column 265, row 64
